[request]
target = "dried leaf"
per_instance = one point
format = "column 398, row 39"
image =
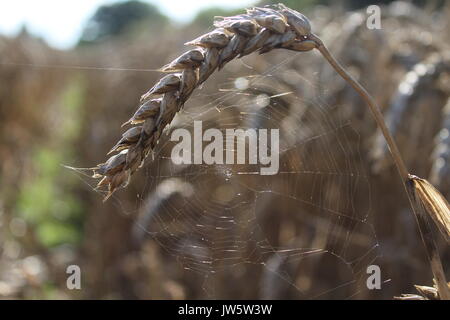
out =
column 435, row 204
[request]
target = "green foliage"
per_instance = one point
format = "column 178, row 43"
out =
column 119, row 18
column 44, row 202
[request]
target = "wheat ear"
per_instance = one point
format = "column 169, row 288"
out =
column 260, row 29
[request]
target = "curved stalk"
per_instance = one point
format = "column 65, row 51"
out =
column 416, row 205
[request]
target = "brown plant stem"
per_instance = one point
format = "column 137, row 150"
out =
column 416, row 205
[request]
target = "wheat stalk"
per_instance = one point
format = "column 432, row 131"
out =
column 260, row 29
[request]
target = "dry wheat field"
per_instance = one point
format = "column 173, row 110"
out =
column 88, row 176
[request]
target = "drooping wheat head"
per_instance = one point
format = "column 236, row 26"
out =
column 260, row 29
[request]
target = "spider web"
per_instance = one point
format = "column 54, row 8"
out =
column 304, row 233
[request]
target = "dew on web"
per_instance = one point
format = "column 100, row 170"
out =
column 241, row 83
column 262, row 100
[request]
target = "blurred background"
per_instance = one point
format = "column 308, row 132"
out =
column 72, row 72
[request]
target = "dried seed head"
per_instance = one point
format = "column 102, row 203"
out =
column 260, row 29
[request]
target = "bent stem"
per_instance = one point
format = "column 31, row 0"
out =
column 416, row 204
